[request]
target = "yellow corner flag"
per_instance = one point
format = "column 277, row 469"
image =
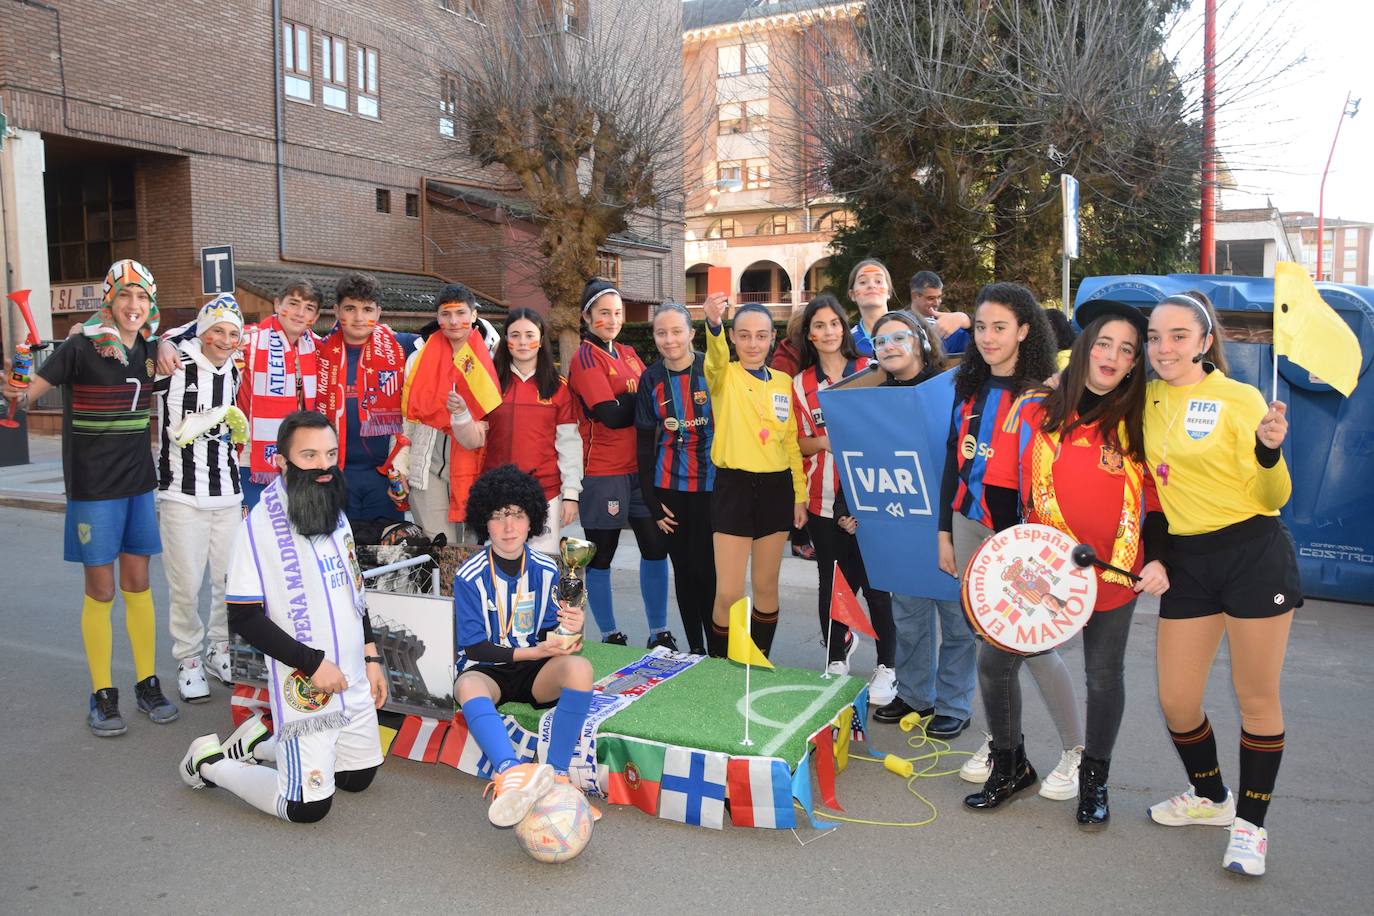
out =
column 1310, row 333
column 741, row 647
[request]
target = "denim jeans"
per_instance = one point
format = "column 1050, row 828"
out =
column 1104, row 653
column 934, row 668
column 999, row 682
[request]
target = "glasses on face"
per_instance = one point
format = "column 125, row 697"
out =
column 896, row 339
column 511, row 514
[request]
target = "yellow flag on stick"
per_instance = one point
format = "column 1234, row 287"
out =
column 1310, row 333
column 741, row 647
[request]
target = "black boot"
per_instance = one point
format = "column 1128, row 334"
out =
column 763, row 626
column 1011, row 773
column 717, row 640
column 1092, row 794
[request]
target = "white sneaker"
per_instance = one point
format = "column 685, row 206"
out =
column 516, row 791
column 241, row 741
column 203, row 750
column 978, row 768
column 882, row 686
column 1190, row 808
column 191, row 681
column 837, row 669
column 1061, row 784
column 1245, row 854
column 219, row 664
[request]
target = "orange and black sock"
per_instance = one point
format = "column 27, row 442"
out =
column 717, row 640
column 1198, row 751
column 1259, row 769
column 762, row 626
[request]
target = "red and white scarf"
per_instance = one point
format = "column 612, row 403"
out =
column 281, row 380
column 381, row 373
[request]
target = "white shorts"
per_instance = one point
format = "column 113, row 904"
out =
column 306, row 764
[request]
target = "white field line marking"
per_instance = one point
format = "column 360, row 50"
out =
column 826, row 695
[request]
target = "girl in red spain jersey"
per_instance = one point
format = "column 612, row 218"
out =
column 1213, row 446
column 535, row 427
column 673, row 413
column 828, row 355
column 1083, row 472
column 605, row 376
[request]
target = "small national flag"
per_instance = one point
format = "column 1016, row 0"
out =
column 460, row 750
column 843, row 722
column 801, row 791
column 741, row 647
column 247, row 700
column 630, row 771
column 419, row 739
column 1008, row 610
column 475, row 378
column 388, row 727
column 1310, row 333
column 824, row 742
column 693, row 788
column 844, row 607
column 859, row 729
column 1051, row 559
column 760, row 790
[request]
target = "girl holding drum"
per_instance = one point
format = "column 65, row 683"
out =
column 1082, row 467
column 1212, row 445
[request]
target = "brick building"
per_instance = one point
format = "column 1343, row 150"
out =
column 755, row 203
column 314, row 137
column 1346, row 246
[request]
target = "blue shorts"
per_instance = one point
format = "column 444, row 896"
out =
column 608, row 503
column 99, row 530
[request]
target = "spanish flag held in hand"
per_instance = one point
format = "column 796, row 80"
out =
column 1310, row 333
column 741, row 647
column 475, row 377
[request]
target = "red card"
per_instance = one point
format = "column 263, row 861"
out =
column 717, row 280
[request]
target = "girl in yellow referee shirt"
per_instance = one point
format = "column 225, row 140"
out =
column 1212, row 444
column 760, row 490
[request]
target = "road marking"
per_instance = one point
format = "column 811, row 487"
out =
column 787, row 729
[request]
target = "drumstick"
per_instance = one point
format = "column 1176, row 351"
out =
column 1084, row 556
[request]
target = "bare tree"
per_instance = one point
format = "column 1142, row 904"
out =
column 947, row 123
column 587, row 120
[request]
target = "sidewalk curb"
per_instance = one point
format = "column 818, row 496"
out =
column 16, row 501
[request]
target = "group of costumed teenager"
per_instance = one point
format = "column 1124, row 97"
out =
column 711, row 461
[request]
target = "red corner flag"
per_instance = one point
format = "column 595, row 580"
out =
column 844, row 607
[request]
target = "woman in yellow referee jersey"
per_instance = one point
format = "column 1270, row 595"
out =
column 1213, row 445
column 760, row 490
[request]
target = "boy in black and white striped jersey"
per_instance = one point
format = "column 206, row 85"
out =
column 199, row 493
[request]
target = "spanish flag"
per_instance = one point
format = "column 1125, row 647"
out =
column 475, row 377
column 741, row 647
column 439, row 370
column 1310, row 333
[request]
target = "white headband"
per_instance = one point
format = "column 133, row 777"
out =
column 1185, row 299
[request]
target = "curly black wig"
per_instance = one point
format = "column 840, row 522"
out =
column 1035, row 357
column 502, row 487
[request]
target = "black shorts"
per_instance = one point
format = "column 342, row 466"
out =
column 750, row 505
column 515, row 681
column 1248, row 569
column 608, row 503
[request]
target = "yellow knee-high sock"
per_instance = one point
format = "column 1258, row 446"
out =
column 142, row 627
column 98, row 638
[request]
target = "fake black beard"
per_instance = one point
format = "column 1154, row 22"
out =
column 314, row 507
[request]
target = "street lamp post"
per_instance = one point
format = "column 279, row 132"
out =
column 1348, row 110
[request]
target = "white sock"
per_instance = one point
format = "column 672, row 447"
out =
column 256, row 785
column 266, row 750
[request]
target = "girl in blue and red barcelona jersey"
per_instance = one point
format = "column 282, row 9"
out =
column 605, row 375
column 673, row 413
column 827, row 355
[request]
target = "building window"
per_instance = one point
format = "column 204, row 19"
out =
column 366, row 59
column 735, row 60
column 383, row 200
column 295, row 61
column 413, row 206
column 743, row 117
column 724, row 229
column 728, row 175
column 92, row 218
column 755, row 173
column 334, row 72
column 608, row 266
column 835, row 219
column 448, row 104
column 1352, row 258
column 564, row 15
column 777, row 224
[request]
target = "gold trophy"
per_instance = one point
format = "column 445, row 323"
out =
column 576, row 554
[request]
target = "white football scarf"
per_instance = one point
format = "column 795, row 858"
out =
column 312, row 589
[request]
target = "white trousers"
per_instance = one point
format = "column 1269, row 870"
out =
column 191, row 538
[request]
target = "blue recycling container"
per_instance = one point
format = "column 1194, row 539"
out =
column 1330, row 444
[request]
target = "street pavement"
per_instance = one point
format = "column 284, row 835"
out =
column 105, row 826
